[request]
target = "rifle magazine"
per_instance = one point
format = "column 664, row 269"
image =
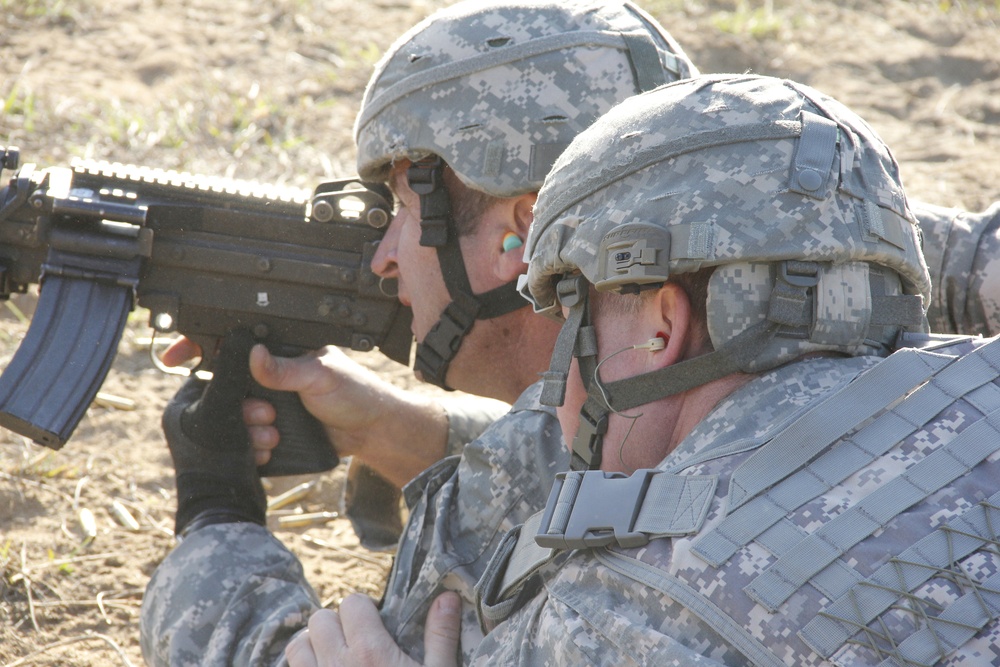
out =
column 64, row 358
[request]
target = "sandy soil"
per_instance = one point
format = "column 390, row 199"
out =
column 268, row 91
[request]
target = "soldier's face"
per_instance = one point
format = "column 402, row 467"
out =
column 613, row 336
column 416, row 267
column 630, row 434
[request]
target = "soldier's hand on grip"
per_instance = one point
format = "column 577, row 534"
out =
column 216, row 475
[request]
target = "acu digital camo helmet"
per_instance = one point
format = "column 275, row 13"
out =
column 495, row 91
column 791, row 197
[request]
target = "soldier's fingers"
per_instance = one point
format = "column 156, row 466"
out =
column 358, row 615
column 180, row 351
column 305, row 374
column 261, row 457
column 258, row 412
column 299, row 651
column 444, row 625
column 326, row 636
column 281, row 373
column 263, row 438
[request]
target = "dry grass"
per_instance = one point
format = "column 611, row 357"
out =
column 269, row 92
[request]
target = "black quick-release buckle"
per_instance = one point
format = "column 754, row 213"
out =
column 589, row 434
column 791, row 302
column 435, row 353
column 426, row 178
column 594, row 508
column 446, row 335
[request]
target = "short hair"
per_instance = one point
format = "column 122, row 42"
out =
column 468, row 206
column 695, row 286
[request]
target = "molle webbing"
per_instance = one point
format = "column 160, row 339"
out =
column 729, row 628
column 813, row 433
column 853, row 453
column 937, row 554
column 796, row 567
column 805, row 560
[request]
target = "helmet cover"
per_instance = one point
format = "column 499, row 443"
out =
column 498, row 89
column 773, row 183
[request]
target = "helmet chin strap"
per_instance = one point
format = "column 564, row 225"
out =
column 437, row 225
column 578, row 338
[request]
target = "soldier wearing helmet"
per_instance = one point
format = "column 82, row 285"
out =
column 476, row 105
column 761, row 479
column 962, row 249
column 463, row 118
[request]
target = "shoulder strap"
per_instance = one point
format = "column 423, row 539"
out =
column 593, row 508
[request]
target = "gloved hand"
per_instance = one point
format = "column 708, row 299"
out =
column 217, row 480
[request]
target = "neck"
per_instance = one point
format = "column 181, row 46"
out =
column 684, row 411
column 697, row 403
column 503, row 356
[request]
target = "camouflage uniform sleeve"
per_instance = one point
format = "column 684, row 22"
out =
column 372, row 503
column 468, row 417
column 962, row 250
column 228, row 594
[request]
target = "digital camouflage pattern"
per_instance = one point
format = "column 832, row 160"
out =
column 372, row 503
column 499, row 89
column 855, row 498
column 920, row 579
column 229, row 594
column 738, row 172
column 233, row 594
column 459, row 510
column 963, row 254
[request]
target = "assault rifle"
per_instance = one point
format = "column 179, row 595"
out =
column 204, row 255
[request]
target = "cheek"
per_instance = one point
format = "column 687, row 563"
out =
column 409, row 237
column 418, row 265
column 478, row 260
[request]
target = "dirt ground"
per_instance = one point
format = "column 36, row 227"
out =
column 268, row 91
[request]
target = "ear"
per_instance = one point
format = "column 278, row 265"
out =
column 511, row 262
column 670, row 315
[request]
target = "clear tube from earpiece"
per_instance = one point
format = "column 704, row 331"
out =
column 600, row 386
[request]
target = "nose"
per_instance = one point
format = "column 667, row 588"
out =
column 384, row 261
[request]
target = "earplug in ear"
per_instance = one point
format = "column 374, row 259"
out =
column 511, row 241
column 653, row 344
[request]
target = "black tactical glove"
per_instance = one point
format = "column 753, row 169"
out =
column 217, row 480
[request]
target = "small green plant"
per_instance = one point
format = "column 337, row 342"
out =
column 54, row 10
column 20, row 104
column 973, row 6
column 759, row 22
